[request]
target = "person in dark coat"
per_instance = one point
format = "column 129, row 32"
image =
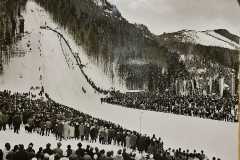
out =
column 125, row 155
column 1, row 154
column 93, row 133
column 59, row 131
column 26, row 116
column 10, row 120
column 73, row 156
column 101, row 155
column 141, row 144
column 12, row 153
column 48, row 149
column 147, row 142
column 30, row 148
column 87, row 149
column 21, row 154
column 57, row 157
column 58, row 150
column 30, row 151
column 16, row 123
column 4, row 121
column 69, row 150
column 76, row 130
column 86, row 132
column 1, row 120
column 111, row 135
column 40, row 154
column 133, row 141
column 80, row 151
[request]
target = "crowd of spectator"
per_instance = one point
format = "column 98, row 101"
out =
column 48, row 117
column 19, row 152
column 210, row 107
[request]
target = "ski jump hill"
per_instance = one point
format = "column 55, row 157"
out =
column 49, row 62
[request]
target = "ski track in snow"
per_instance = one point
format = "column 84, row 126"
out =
column 64, row 83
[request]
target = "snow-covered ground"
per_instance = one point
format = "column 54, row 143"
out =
column 209, row 38
column 224, row 39
column 46, row 63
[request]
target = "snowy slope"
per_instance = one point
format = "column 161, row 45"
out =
column 48, row 64
column 208, row 38
column 222, row 38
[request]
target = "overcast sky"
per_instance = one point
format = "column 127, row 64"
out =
column 173, row 15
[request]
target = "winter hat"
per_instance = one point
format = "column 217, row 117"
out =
column 79, row 144
column 59, row 144
column 30, row 144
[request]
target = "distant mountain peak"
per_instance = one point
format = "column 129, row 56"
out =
column 109, row 9
column 228, row 35
column 218, row 38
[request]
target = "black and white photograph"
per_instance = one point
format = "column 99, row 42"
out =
column 119, row 79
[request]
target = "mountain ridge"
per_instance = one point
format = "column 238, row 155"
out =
column 216, row 38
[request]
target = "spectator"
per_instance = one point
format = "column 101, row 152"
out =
column 69, row 150
column 48, row 149
column 40, row 154
column 80, row 151
column 30, row 151
column 1, row 154
column 21, row 153
column 12, row 154
column 58, row 150
column 6, row 150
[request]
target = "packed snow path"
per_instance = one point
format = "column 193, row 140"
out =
column 44, row 64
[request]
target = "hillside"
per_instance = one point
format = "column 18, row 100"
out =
column 121, row 49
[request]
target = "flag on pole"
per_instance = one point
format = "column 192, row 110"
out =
column 233, row 85
column 184, row 87
column 221, row 86
column 210, row 85
column 176, row 87
column 192, row 83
